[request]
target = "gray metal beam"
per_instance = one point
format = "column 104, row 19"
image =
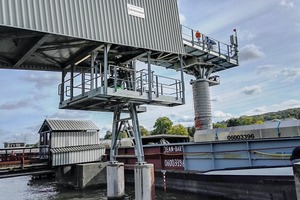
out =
column 36, row 44
column 43, row 55
column 81, row 54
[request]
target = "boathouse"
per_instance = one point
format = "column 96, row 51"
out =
column 67, row 142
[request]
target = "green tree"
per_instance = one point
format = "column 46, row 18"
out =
column 162, row 125
column 246, row 120
column 144, row 131
column 219, row 125
column 108, row 135
column 122, row 134
column 191, row 131
column 178, row 130
column 233, row 122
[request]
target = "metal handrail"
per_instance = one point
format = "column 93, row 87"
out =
column 161, row 85
column 220, row 47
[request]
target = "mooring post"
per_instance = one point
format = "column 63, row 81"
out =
column 115, row 180
column 144, row 181
column 296, row 170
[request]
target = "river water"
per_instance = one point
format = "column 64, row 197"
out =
column 24, row 188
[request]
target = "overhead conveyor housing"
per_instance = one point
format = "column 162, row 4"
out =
column 95, row 41
column 50, row 35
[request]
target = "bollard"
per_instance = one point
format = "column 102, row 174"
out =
column 115, row 180
column 144, row 181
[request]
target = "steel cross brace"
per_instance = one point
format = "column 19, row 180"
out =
column 116, row 129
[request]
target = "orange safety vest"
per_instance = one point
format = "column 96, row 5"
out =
column 198, row 34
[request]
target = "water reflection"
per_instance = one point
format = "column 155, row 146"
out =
column 21, row 188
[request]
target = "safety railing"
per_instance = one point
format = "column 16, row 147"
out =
column 119, row 78
column 21, row 156
column 207, row 43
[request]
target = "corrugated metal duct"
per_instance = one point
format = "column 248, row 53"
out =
column 202, row 105
column 149, row 24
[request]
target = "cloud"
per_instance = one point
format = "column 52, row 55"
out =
column 16, row 104
column 287, row 3
column 246, row 35
column 254, row 89
column 42, row 80
column 216, row 99
column 264, row 69
column 181, row 118
column 293, row 103
column 182, row 18
column 250, row 52
column 288, row 74
column 220, row 114
column 69, row 114
column 291, row 74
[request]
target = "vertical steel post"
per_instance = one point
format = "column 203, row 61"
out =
column 212, row 156
column 182, row 79
column 115, row 133
column 82, row 83
column 133, row 65
column 115, row 78
column 157, row 91
column 72, row 82
column 249, row 154
column 139, row 151
column 149, row 77
column 105, row 68
column 62, row 86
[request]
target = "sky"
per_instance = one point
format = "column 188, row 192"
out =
column 267, row 79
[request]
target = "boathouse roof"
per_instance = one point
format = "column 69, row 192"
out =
column 67, row 125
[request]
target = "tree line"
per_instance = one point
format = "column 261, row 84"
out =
column 292, row 113
column 163, row 125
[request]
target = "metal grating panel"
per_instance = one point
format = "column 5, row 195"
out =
column 100, row 20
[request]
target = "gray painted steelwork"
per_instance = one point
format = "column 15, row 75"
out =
column 204, row 156
column 106, row 21
column 272, row 129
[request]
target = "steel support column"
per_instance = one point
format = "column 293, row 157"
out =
column 138, row 145
column 117, row 128
column 115, row 132
column 182, row 79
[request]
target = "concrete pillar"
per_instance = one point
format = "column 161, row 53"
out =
column 115, row 180
column 144, row 181
column 296, row 169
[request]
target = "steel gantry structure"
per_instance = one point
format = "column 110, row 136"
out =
column 96, row 45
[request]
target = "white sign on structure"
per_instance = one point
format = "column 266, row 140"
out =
column 136, row 11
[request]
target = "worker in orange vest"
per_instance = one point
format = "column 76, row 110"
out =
column 198, row 35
